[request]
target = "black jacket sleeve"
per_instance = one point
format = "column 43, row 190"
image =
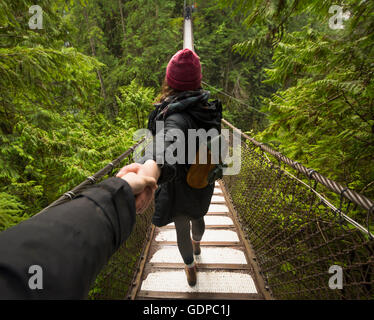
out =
column 168, row 171
column 70, row 242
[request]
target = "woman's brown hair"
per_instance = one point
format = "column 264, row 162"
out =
column 166, row 91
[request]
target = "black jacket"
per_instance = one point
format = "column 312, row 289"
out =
column 189, row 110
column 70, row 242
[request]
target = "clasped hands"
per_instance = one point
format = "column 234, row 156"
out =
column 142, row 179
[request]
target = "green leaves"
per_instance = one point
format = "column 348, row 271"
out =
column 11, row 210
column 322, row 114
column 135, row 104
column 52, row 132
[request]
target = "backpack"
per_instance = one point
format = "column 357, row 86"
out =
column 199, row 175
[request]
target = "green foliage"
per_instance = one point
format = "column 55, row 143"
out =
column 51, row 127
column 73, row 93
column 215, row 34
column 139, row 43
column 11, row 210
column 137, row 46
column 322, row 113
column 135, row 102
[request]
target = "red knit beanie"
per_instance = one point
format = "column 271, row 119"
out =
column 184, row 71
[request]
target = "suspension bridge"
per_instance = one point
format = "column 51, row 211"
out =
column 273, row 231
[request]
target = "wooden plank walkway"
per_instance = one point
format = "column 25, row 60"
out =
column 225, row 265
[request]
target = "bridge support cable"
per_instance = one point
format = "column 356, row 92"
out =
column 94, row 178
column 235, row 99
column 187, row 29
column 351, row 195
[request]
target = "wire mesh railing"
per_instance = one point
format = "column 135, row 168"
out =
column 116, row 280
column 298, row 236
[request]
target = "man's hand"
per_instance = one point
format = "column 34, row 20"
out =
column 142, row 180
column 138, row 182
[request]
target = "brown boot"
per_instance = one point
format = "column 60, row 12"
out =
column 196, row 247
column 191, row 275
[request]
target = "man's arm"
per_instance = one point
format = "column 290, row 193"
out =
column 70, row 242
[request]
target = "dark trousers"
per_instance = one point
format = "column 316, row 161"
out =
column 183, row 228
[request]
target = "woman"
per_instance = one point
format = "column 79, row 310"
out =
column 183, row 105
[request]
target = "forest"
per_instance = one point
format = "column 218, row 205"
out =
column 296, row 75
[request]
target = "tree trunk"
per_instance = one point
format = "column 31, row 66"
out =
column 122, row 19
column 227, row 72
column 93, row 53
column 137, row 117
